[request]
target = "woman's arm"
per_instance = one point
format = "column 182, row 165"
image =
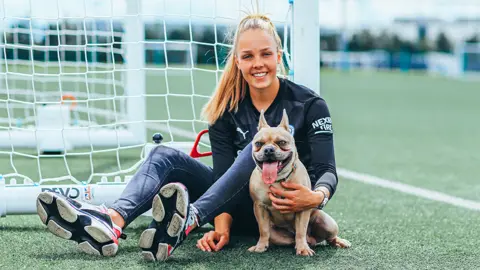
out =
column 217, row 239
column 324, row 180
column 320, row 139
column 221, row 141
column 223, row 222
column 223, row 156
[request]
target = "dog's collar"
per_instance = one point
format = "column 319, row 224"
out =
column 294, row 166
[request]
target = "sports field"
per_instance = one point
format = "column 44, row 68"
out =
column 408, row 128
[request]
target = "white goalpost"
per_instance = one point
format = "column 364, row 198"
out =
column 84, row 87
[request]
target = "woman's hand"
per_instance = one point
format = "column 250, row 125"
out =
column 207, row 242
column 298, row 198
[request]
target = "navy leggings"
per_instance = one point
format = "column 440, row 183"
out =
column 230, row 193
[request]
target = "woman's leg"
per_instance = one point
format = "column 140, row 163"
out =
column 323, row 227
column 230, row 191
column 96, row 228
column 164, row 165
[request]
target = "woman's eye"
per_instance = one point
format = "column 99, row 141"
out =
column 267, row 54
column 258, row 144
column 246, row 56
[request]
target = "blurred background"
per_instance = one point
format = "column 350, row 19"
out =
column 437, row 36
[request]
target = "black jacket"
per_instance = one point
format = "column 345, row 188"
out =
column 310, row 124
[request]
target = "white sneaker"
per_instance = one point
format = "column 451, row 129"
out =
column 88, row 225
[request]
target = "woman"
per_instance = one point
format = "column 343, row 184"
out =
column 169, row 179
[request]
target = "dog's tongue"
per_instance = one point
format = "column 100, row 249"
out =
column 269, row 172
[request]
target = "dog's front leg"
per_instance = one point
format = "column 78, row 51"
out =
column 263, row 220
column 301, row 227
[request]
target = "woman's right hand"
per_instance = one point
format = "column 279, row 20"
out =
column 207, row 242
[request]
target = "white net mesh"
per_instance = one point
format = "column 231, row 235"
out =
column 84, row 84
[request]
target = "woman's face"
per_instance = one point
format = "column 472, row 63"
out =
column 257, row 58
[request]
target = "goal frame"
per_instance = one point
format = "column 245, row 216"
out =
column 305, row 27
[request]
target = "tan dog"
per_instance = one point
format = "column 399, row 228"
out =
column 277, row 160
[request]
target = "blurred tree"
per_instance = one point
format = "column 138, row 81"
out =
column 68, row 36
column 396, row 44
column 8, row 37
column 51, row 39
column 473, row 39
column 383, row 41
column 74, row 34
column 281, row 33
column 23, row 32
column 18, row 33
column 206, row 53
column 442, row 44
column 367, row 40
column 407, row 46
column 52, row 36
column 117, row 41
column 363, row 41
column 225, row 34
column 354, row 43
column 422, row 46
column 154, row 31
column 329, row 42
column 180, row 33
column 208, row 36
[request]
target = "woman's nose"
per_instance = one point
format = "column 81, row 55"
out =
column 257, row 62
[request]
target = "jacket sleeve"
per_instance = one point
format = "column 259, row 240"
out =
column 223, row 150
column 320, row 139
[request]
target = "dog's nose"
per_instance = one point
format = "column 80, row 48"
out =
column 269, row 151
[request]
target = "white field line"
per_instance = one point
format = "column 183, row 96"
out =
column 376, row 181
column 365, row 178
column 419, row 192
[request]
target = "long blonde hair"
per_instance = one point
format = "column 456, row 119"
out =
column 232, row 86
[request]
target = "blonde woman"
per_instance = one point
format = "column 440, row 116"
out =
column 185, row 194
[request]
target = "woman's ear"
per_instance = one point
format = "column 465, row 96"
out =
column 279, row 56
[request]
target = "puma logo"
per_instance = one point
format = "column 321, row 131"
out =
column 243, row 133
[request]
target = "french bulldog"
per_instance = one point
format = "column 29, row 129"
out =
column 277, row 160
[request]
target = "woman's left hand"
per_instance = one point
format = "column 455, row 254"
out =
column 298, row 198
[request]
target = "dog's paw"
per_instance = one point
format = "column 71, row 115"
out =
column 340, row 243
column 259, row 248
column 304, row 250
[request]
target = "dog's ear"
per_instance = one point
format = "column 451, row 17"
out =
column 284, row 122
column 262, row 123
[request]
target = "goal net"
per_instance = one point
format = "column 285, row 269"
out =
column 85, row 84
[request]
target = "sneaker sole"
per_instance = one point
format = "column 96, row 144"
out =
column 67, row 222
column 181, row 206
column 147, row 239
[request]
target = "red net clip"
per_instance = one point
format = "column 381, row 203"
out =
column 194, row 153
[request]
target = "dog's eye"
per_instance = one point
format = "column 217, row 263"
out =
column 258, row 144
column 282, row 143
